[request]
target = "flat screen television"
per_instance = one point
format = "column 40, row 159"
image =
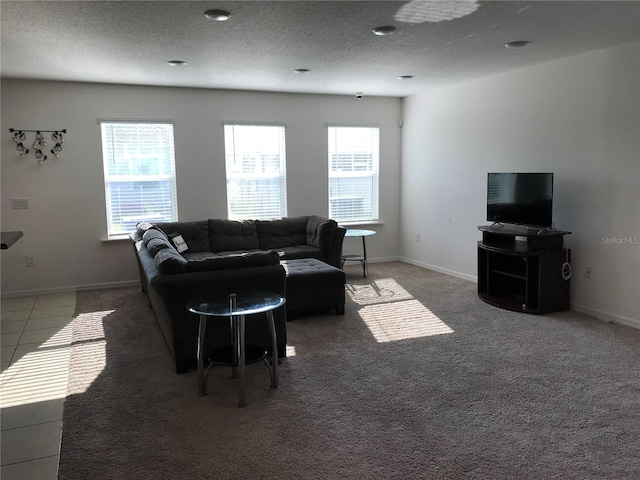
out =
column 520, row 198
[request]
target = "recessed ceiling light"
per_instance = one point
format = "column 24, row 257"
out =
column 384, row 30
column 217, row 15
column 516, row 44
column 177, row 63
column 405, row 77
column 301, row 70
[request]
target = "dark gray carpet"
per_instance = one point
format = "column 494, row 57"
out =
column 447, row 388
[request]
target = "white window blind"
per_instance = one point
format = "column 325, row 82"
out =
column 256, row 172
column 353, row 173
column 139, row 174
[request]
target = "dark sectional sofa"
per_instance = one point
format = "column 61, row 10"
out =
column 225, row 256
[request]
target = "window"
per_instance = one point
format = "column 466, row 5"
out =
column 139, row 174
column 353, row 173
column 256, row 172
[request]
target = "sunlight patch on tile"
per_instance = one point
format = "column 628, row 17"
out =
column 42, row 373
column 389, row 322
column 38, row 376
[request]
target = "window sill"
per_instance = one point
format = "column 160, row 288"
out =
column 115, row 239
column 362, row 223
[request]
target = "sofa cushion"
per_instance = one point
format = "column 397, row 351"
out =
column 153, row 233
column 242, row 260
column 198, row 255
column 155, row 245
column 308, row 273
column 155, row 241
column 300, row 251
column 226, row 253
column 285, row 232
column 196, row 234
column 227, row 235
column 168, row 260
column 320, row 232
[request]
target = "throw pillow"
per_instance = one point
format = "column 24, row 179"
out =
column 178, row 242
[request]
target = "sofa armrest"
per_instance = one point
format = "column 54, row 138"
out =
column 136, row 242
column 334, row 256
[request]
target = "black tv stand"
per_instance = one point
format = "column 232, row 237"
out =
column 520, row 268
column 496, row 227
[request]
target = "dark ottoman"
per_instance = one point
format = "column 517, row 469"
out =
column 312, row 284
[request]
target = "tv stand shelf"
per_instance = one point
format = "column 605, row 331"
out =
column 520, row 268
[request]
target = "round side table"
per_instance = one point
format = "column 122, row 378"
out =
column 356, row 232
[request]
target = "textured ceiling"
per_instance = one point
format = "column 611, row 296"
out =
column 262, row 43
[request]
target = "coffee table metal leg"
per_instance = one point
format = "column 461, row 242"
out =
column 233, row 299
column 365, row 268
column 234, row 343
column 241, row 360
column 274, row 351
column 202, row 388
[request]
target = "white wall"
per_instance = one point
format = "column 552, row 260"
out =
column 578, row 118
column 65, row 226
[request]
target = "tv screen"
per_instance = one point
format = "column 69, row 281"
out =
column 520, row 198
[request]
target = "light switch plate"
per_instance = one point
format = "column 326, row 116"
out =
column 19, row 203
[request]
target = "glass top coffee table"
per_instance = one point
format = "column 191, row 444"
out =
column 236, row 306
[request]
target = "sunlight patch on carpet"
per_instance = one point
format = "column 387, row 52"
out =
column 382, row 290
column 391, row 313
column 89, row 343
column 390, row 322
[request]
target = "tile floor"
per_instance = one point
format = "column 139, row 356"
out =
column 35, row 345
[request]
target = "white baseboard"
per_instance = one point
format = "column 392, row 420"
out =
column 607, row 316
column 453, row 273
column 383, row 259
column 71, row 288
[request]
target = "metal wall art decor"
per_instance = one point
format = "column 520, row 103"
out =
column 39, row 143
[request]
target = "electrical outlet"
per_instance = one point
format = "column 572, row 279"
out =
column 31, row 261
column 587, row 272
column 417, row 237
column 20, row 203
